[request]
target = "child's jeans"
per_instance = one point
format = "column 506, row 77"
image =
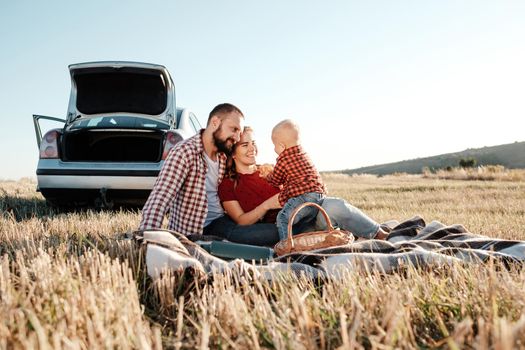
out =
column 304, row 216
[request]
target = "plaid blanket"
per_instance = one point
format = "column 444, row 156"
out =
column 410, row 243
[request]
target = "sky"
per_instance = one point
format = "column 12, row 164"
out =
column 369, row 82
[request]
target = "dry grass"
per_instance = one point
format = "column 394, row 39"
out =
column 487, row 173
column 68, row 280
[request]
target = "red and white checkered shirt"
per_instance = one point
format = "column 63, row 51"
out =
column 296, row 173
column 180, row 189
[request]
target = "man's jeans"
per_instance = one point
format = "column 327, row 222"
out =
column 303, row 217
column 347, row 217
column 261, row 234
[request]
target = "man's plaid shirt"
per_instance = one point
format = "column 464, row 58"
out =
column 296, row 172
column 180, row 189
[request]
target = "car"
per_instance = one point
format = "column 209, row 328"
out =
column 121, row 123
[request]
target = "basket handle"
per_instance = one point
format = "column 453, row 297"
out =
column 292, row 218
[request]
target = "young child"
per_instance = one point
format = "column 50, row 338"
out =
column 297, row 175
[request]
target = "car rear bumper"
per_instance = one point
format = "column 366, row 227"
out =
column 95, row 182
column 55, row 174
column 79, row 183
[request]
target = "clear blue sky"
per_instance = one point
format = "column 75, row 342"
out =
column 369, row 82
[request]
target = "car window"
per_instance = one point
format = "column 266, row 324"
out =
column 125, row 122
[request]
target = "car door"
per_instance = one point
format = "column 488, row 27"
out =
column 38, row 130
column 195, row 124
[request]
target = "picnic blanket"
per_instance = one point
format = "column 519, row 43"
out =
column 410, row 243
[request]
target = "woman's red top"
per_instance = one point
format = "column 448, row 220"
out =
column 250, row 191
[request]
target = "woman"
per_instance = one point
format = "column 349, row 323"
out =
column 249, row 200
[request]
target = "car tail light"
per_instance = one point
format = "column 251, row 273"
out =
column 49, row 145
column 171, row 139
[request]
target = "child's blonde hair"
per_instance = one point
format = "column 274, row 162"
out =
column 287, row 132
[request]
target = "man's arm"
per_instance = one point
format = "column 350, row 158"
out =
column 168, row 184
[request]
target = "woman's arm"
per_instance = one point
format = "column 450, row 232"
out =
column 234, row 210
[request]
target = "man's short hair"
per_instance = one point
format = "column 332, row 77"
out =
column 222, row 109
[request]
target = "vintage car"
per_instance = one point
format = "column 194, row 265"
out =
column 121, row 123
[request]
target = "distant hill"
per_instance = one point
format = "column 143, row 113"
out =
column 511, row 156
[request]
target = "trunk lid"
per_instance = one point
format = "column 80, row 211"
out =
column 123, row 88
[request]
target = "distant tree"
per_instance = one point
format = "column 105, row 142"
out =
column 467, row 162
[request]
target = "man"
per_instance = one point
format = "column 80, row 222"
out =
column 187, row 183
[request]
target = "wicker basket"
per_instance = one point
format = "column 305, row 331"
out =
column 312, row 240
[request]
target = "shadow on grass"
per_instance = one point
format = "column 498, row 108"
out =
column 20, row 208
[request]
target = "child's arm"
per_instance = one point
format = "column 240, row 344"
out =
column 265, row 170
column 277, row 176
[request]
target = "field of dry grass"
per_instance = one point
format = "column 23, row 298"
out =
column 69, row 280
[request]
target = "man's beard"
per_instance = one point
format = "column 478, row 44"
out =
column 224, row 146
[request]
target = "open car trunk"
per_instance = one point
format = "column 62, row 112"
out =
column 101, row 90
column 112, row 145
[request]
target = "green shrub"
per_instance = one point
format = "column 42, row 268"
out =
column 467, row 162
